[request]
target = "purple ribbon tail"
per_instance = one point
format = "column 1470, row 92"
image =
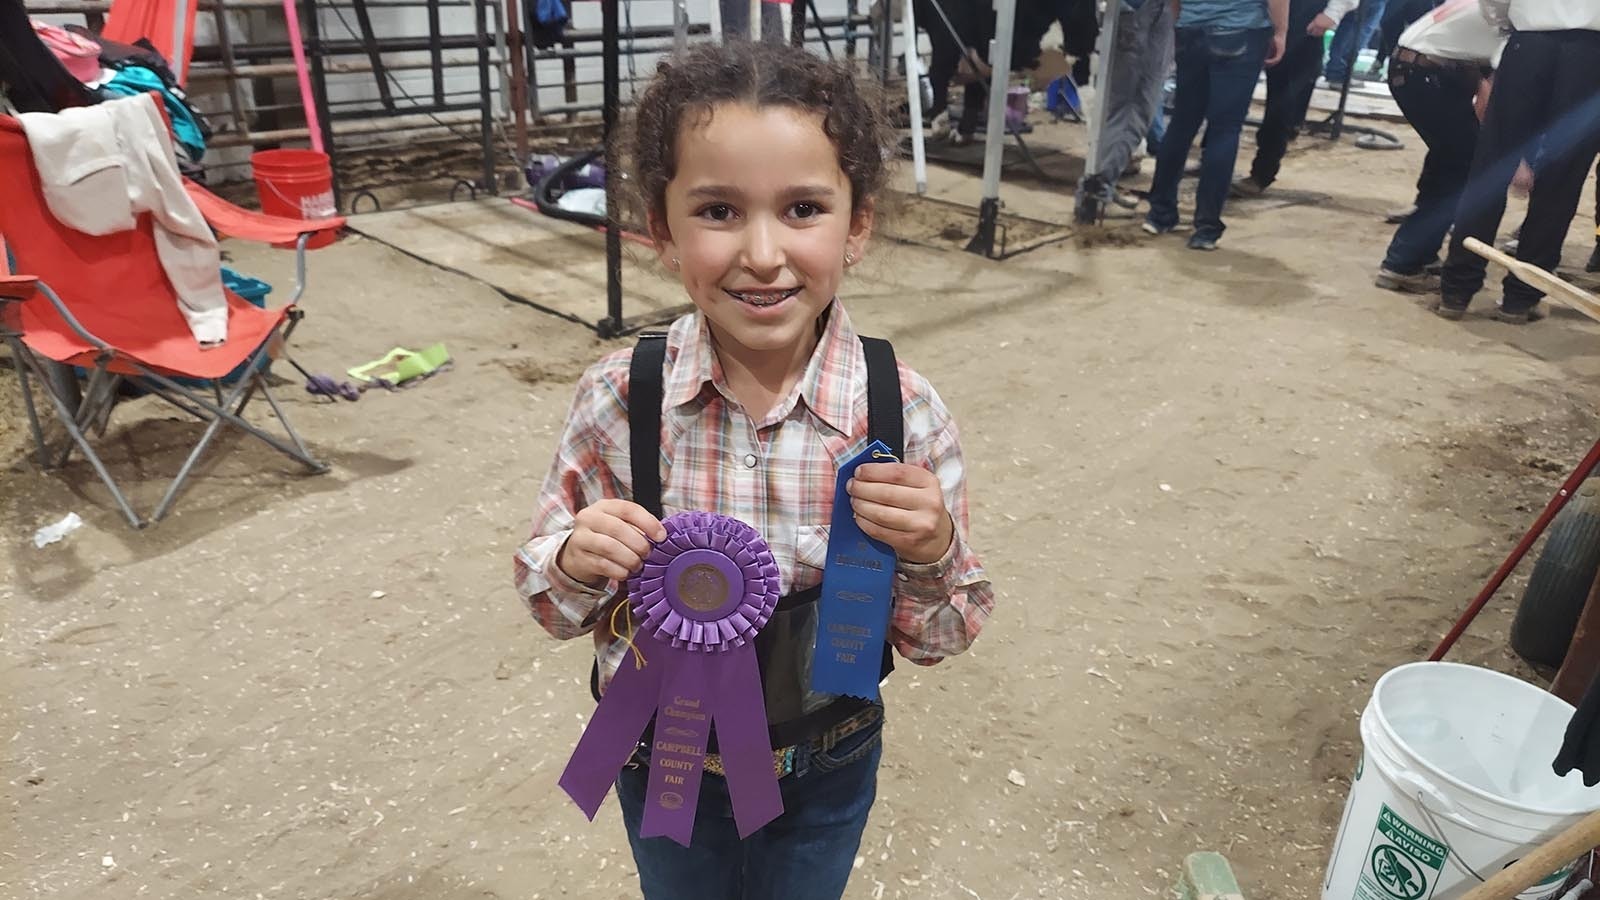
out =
column 613, row 732
column 689, row 692
column 745, row 745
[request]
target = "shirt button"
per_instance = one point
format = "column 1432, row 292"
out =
column 750, row 460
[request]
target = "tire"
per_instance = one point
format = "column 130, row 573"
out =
column 1561, row 580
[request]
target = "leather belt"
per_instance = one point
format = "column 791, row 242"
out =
column 1423, row 60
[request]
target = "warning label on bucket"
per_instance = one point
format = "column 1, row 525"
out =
column 318, row 206
column 1402, row 862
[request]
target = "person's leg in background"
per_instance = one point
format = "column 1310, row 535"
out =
column 1162, row 33
column 1306, row 88
column 1289, row 87
column 1571, row 132
column 1235, row 59
column 946, row 56
column 974, row 100
column 1080, row 28
column 1352, row 36
column 1510, row 130
column 1193, row 55
column 1139, row 71
column 1438, row 104
column 1594, row 258
column 1272, row 137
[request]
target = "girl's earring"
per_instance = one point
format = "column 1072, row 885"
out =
column 675, row 264
column 849, row 259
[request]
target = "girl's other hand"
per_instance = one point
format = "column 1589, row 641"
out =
column 609, row 541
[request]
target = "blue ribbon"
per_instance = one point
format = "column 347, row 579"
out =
column 857, row 595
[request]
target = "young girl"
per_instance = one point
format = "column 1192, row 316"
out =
column 759, row 167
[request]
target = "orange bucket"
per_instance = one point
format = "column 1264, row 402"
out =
column 296, row 184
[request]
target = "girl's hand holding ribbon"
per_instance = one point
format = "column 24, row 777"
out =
column 903, row 506
column 609, row 540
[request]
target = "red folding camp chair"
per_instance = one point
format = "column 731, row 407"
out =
column 103, row 303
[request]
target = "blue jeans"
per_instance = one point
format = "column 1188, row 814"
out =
column 1355, row 33
column 1217, row 72
column 805, row 854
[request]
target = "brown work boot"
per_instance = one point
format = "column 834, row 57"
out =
column 1453, row 308
column 1521, row 316
column 1246, row 188
column 1420, row 283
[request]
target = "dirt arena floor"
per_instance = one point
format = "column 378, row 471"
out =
column 1218, row 494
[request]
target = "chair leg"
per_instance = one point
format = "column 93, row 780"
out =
column 90, row 408
column 95, row 412
column 85, row 406
column 203, row 409
column 17, row 352
column 227, row 412
column 249, row 394
column 316, row 466
column 102, row 419
column 69, row 421
column 183, row 473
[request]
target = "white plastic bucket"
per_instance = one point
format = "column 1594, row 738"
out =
column 1454, row 784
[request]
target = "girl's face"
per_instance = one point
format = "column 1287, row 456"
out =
column 758, row 224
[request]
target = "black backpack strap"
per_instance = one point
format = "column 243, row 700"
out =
column 885, row 422
column 885, row 412
column 645, row 383
column 644, row 419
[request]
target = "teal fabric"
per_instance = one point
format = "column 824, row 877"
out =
column 1224, row 15
column 134, row 80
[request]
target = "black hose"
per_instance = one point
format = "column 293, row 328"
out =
column 549, row 180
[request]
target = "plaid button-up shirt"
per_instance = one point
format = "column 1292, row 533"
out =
column 776, row 474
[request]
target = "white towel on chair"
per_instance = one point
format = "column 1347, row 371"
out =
column 101, row 166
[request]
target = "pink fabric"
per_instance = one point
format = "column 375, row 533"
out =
column 80, row 55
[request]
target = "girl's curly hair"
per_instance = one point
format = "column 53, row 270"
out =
column 761, row 75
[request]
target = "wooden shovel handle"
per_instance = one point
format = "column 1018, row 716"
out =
column 1570, row 294
column 1546, row 858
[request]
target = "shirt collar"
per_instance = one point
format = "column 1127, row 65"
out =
column 827, row 387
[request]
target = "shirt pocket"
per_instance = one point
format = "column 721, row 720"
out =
column 810, row 556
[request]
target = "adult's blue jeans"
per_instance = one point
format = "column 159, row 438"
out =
column 805, row 854
column 1217, row 73
column 1355, row 33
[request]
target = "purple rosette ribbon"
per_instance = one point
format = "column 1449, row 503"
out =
column 699, row 600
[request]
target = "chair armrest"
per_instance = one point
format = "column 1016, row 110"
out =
column 17, row 287
column 237, row 222
column 242, row 223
